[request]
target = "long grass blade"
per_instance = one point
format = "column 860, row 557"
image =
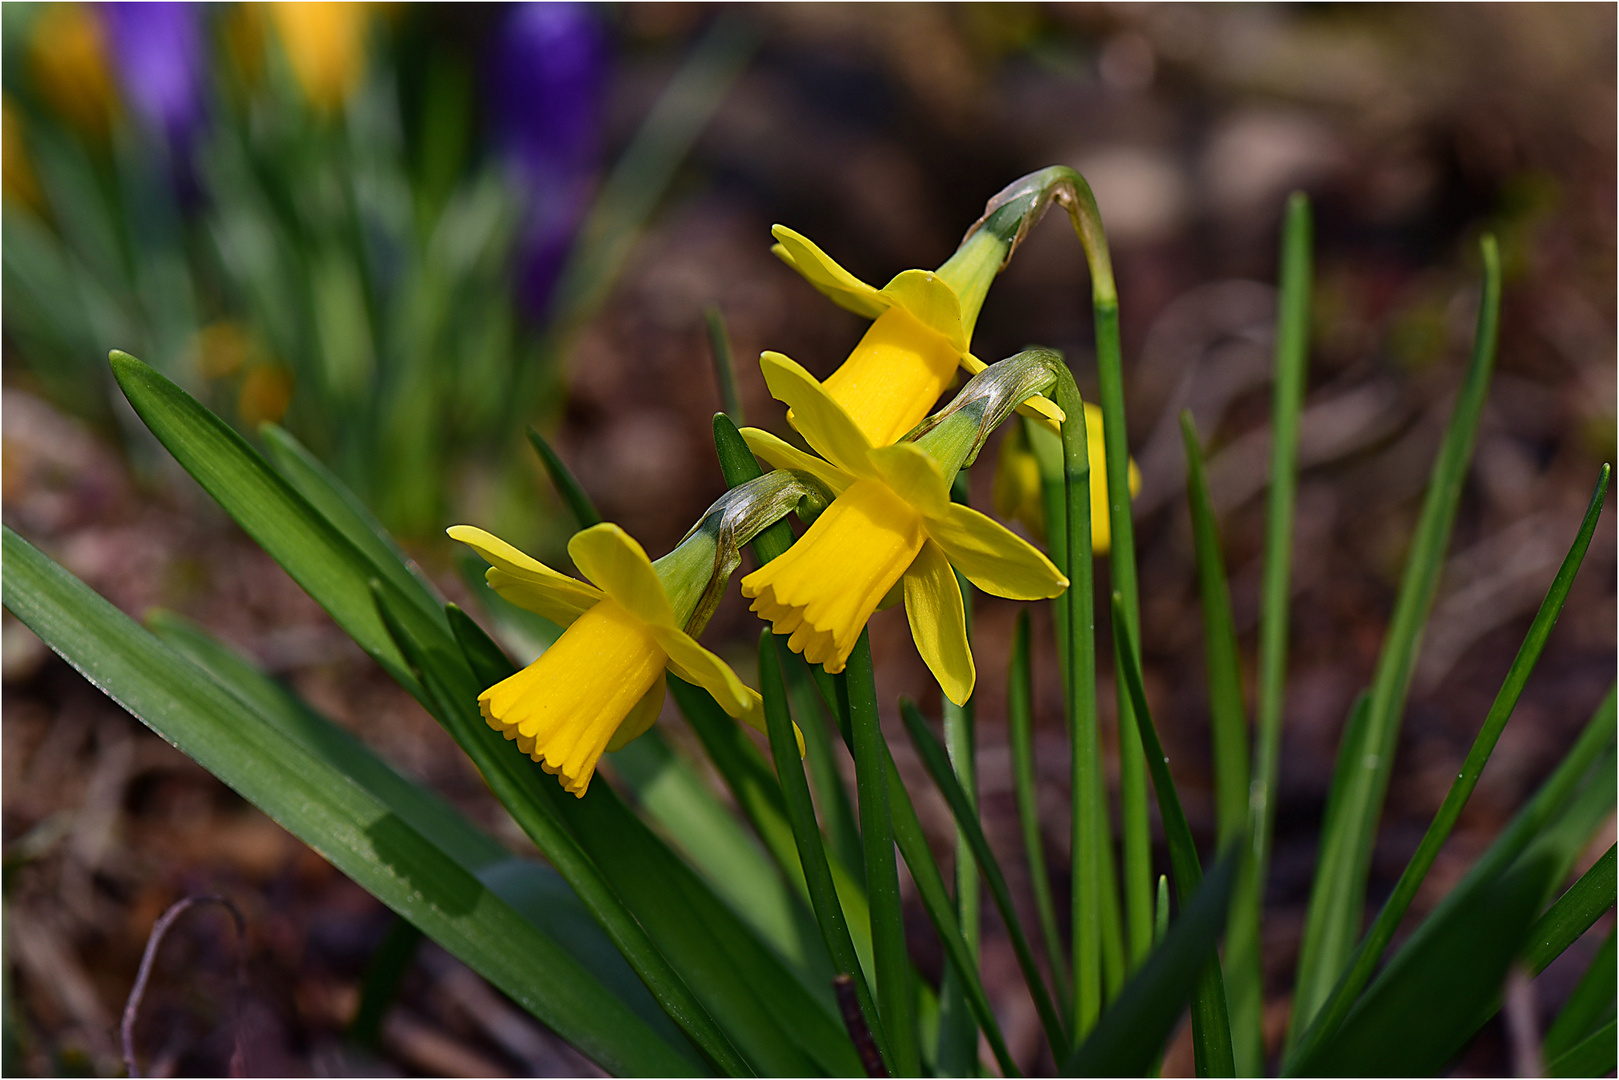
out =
column 894, row 996
column 1587, row 1007
column 1370, row 952
column 1020, row 718
column 1242, row 957
column 336, row 814
column 1211, row 1026
column 1594, row 1056
column 1574, row 913
column 1132, row 1034
column 807, row 838
column 567, row 485
column 719, row 345
column 937, row 763
column 1333, row 922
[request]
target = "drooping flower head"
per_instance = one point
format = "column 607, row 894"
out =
column 892, row 522
column 601, row 685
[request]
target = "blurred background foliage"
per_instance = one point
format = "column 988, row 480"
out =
column 407, row 232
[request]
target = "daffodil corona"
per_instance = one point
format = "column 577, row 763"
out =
column 601, row 684
column 892, row 522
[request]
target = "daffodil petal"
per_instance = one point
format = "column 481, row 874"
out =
column 527, row 582
column 830, row 279
column 781, row 455
column 993, row 557
column 619, row 566
column 690, row 661
column 641, row 717
column 939, row 622
column 914, row 476
column 931, row 301
column 822, row 421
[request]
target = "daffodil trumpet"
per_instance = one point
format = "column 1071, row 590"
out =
column 923, row 323
column 601, row 684
column 892, row 523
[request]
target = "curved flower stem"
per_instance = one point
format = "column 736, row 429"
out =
column 1073, row 558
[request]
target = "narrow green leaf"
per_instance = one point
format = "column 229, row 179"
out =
column 759, row 1001
column 1366, row 957
column 1132, row 1034
column 1426, row 1004
column 1594, row 1056
column 858, row 688
column 1573, row 914
column 1228, row 719
column 579, row 504
column 937, row 763
column 1591, row 1003
column 719, row 345
column 320, row 559
column 1161, row 912
column 807, row 837
column 1333, row 922
column 384, row 975
column 913, row 845
column 1211, row 1026
column 335, row 815
column 343, row 510
column 1242, row 954
column 1020, row 714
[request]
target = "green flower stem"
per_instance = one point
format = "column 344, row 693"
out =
column 807, row 836
column 1211, row 1024
column 719, row 344
column 1073, row 558
column 1020, row 714
column 958, row 1031
column 1363, row 964
column 1292, row 354
column 857, row 686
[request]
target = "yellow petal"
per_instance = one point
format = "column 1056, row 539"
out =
column 931, row 301
column 612, row 558
column 563, row 709
column 822, row 421
column 914, row 476
column 832, row 280
column 641, row 718
column 893, row 377
column 993, row 557
column 780, row 455
column 823, row 589
column 690, row 661
column 527, row 582
column 939, row 622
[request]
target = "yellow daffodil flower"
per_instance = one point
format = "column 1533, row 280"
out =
column 921, row 334
column 892, row 521
column 68, row 58
column 601, row 684
column 1017, row 490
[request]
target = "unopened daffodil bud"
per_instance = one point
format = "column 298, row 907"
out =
column 1031, row 457
column 601, row 684
column 923, row 321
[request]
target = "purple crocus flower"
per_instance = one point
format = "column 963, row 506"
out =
column 159, row 52
column 547, row 82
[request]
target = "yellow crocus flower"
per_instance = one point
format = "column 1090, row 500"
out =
column 892, row 521
column 601, row 684
column 921, row 334
column 325, row 46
